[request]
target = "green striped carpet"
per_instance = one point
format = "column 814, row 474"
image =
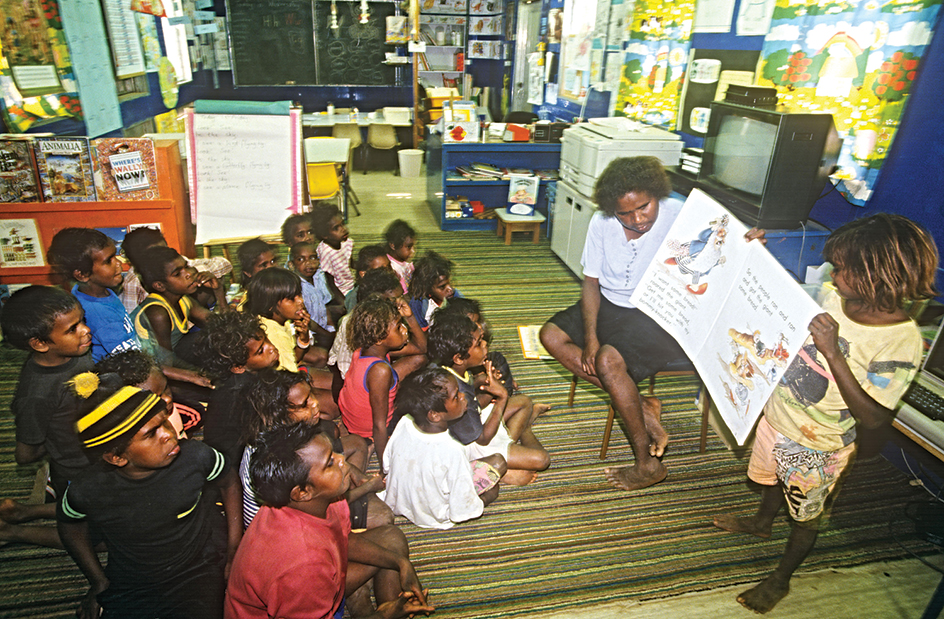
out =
column 568, row 540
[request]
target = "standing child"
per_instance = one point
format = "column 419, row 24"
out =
column 299, row 557
column 47, row 322
column 401, row 247
column 861, row 354
column 431, row 286
column 335, row 249
column 497, row 423
column 90, row 258
column 147, row 496
column 432, row 481
column 315, row 292
column 376, row 329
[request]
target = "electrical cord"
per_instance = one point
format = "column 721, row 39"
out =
column 917, row 481
column 891, row 532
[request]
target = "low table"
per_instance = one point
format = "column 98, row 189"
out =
column 518, row 223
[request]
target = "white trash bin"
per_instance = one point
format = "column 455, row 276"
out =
column 411, row 160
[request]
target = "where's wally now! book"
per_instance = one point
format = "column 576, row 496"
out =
column 65, row 169
column 734, row 310
column 125, row 169
column 18, row 180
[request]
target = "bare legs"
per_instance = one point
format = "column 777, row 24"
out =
column 13, row 514
column 640, row 415
column 763, row 597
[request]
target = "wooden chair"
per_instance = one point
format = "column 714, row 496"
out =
column 383, row 137
column 679, row 368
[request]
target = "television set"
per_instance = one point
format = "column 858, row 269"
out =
column 767, row 164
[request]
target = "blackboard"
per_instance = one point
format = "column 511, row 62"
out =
column 271, row 42
column 354, row 52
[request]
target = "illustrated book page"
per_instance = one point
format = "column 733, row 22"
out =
column 737, row 314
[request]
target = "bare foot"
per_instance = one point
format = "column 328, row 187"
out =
column 764, row 597
column 634, row 477
column 652, row 414
column 519, row 477
column 10, row 511
column 734, row 524
column 539, row 409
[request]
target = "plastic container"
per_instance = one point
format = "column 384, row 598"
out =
column 397, row 115
column 411, row 160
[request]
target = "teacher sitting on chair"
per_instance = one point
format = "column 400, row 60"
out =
column 603, row 338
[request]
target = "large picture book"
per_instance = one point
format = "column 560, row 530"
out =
column 18, row 179
column 65, row 169
column 125, row 169
column 737, row 314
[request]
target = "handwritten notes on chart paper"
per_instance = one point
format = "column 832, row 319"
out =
column 737, row 314
column 245, row 174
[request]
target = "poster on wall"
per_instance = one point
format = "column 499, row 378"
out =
column 486, row 7
column 857, row 63
column 707, row 69
column 27, row 48
column 20, row 245
column 125, row 42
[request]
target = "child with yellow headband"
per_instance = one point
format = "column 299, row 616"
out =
column 146, row 493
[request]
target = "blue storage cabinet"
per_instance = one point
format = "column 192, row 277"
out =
column 442, row 179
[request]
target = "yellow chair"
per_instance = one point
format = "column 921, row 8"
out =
column 323, row 183
column 384, row 137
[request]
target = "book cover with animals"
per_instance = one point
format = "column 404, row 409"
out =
column 125, row 169
column 65, row 169
column 735, row 311
column 18, row 179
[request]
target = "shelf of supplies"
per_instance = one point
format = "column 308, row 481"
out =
column 459, row 181
column 440, row 71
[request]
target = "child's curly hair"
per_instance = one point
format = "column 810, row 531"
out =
column 321, row 215
column 398, row 232
column 138, row 240
column 133, row 366
column 886, row 259
column 419, row 393
column 366, row 255
column 249, row 252
column 370, row 321
column 450, row 335
column 268, row 396
column 629, row 174
column 378, row 281
column 221, row 344
column 428, row 270
column 276, row 468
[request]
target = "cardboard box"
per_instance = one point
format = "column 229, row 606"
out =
column 397, row 115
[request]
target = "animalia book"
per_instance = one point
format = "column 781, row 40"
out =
column 737, row 314
column 125, row 169
column 65, row 169
column 18, row 179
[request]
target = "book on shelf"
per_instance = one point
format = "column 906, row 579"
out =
column 65, row 169
column 486, row 168
column 506, row 172
column 125, row 169
column 547, row 175
column 18, row 178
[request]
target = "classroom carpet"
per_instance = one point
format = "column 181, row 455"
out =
column 569, row 540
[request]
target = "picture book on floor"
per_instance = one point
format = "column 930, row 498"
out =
column 65, row 169
column 18, row 180
column 735, row 311
column 125, row 169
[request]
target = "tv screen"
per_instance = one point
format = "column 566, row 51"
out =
column 742, row 153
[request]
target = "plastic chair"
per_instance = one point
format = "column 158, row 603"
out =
column 352, row 132
column 383, row 137
column 323, row 183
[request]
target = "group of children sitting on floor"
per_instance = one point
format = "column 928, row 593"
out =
column 295, row 384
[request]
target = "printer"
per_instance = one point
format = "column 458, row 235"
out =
column 588, row 147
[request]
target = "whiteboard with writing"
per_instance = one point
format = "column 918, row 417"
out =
column 245, row 173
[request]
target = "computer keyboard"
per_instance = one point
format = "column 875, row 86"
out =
column 925, row 401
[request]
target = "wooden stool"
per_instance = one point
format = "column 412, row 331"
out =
column 611, row 413
column 518, row 223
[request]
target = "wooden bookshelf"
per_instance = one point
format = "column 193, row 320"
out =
column 171, row 211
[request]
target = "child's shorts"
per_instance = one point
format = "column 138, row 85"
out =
column 498, row 445
column 808, row 476
column 484, row 476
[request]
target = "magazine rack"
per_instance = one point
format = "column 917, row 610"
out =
column 172, row 212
